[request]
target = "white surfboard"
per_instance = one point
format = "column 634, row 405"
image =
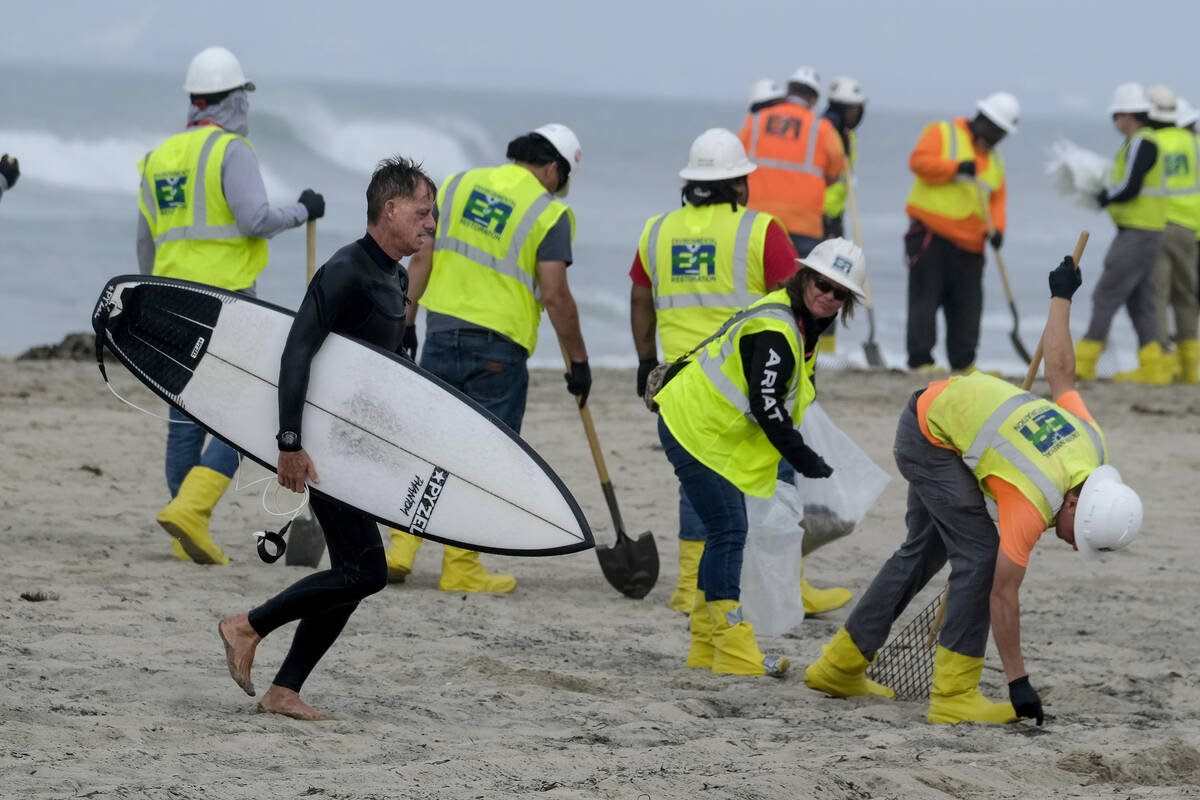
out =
column 386, row 437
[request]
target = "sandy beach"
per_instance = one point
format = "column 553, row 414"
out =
column 564, row 689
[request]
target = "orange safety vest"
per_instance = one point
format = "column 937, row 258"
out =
column 794, row 165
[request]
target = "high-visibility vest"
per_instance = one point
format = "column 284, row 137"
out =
column 491, row 222
column 1148, row 210
column 787, row 142
column 196, row 237
column 1039, row 447
column 835, row 193
column 954, row 205
column 704, row 263
column 707, row 405
column 1180, row 156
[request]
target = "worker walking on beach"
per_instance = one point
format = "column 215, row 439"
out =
column 798, row 154
column 1045, row 464
column 1137, row 203
column 10, row 170
column 693, row 269
column 204, row 216
column 503, row 247
column 1175, row 267
column 729, row 416
column 947, row 232
column 361, row 292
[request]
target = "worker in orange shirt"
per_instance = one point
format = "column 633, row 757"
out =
column 944, row 243
column 798, row 155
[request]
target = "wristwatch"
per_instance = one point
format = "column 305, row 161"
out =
column 289, row 441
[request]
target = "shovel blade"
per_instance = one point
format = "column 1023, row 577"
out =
column 871, row 351
column 1019, row 346
column 630, row 565
column 305, row 543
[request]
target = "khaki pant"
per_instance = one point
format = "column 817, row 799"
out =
column 1175, row 285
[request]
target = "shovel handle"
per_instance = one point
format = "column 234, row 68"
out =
column 986, row 210
column 1036, row 363
column 589, row 428
column 852, row 209
column 310, row 247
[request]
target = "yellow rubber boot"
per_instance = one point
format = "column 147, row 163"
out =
column 1087, row 353
column 682, row 599
column 178, row 551
column 841, row 671
column 701, row 652
column 827, row 344
column 186, row 517
column 1188, row 353
column 818, row 601
column 400, row 554
column 1150, row 371
column 735, row 648
column 463, row 572
column 956, row 696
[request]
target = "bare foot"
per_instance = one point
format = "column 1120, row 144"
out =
column 279, row 700
column 240, row 642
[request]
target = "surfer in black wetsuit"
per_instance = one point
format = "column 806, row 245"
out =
column 360, row 292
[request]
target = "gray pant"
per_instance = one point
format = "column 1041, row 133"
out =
column 1175, row 284
column 946, row 519
column 1127, row 280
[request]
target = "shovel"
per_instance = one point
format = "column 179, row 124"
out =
column 1015, row 335
column 1037, row 354
column 630, row 565
column 870, row 348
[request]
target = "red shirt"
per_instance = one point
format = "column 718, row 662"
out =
column 779, row 259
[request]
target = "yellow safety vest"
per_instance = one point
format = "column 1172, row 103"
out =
column 195, row 235
column 835, row 194
column 491, row 222
column 1034, row 444
column 958, row 198
column 1149, row 209
column 704, row 263
column 707, row 405
column 1180, row 155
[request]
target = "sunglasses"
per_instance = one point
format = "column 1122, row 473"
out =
column 839, row 294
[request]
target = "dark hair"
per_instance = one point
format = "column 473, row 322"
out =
column 203, row 101
column 774, row 101
column 801, row 280
column 395, row 177
column 712, row 193
column 535, row 149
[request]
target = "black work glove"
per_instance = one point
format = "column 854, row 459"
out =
column 809, row 464
column 1025, row 700
column 313, row 203
column 10, row 169
column 1102, row 197
column 997, row 240
column 1065, row 279
column 966, row 168
column 834, row 227
column 579, row 381
column 645, row 367
column 409, row 342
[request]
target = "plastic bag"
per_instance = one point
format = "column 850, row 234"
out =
column 772, row 562
column 834, row 505
column 1077, row 173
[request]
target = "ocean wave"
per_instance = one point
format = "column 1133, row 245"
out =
column 100, row 164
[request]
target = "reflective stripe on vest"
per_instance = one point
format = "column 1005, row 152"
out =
column 741, row 295
column 199, row 229
column 810, row 151
column 712, row 365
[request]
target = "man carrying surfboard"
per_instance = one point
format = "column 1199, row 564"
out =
column 502, row 252
column 203, row 216
column 360, row 292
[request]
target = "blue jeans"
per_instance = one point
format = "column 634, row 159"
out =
column 721, row 509
column 484, row 366
column 691, row 528
column 185, row 449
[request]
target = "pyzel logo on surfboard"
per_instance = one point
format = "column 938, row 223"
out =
column 429, row 499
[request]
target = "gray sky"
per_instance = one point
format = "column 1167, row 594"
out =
column 920, row 55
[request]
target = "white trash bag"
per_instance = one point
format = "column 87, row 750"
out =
column 834, row 505
column 1078, row 173
column 772, row 562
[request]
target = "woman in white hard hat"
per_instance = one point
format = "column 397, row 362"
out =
column 727, row 418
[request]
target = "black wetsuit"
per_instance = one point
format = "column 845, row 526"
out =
column 360, row 292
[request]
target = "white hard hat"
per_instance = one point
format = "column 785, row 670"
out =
column 717, row 155
column 567, row 144
column 1185, row 113
column 1001, row 108
column 1162, row 103
column 842, row 261
column 215, row 70
column 1129, row 98
column 845, row 89
column 765, row 89
column 1109, row 514
column 807, row 76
